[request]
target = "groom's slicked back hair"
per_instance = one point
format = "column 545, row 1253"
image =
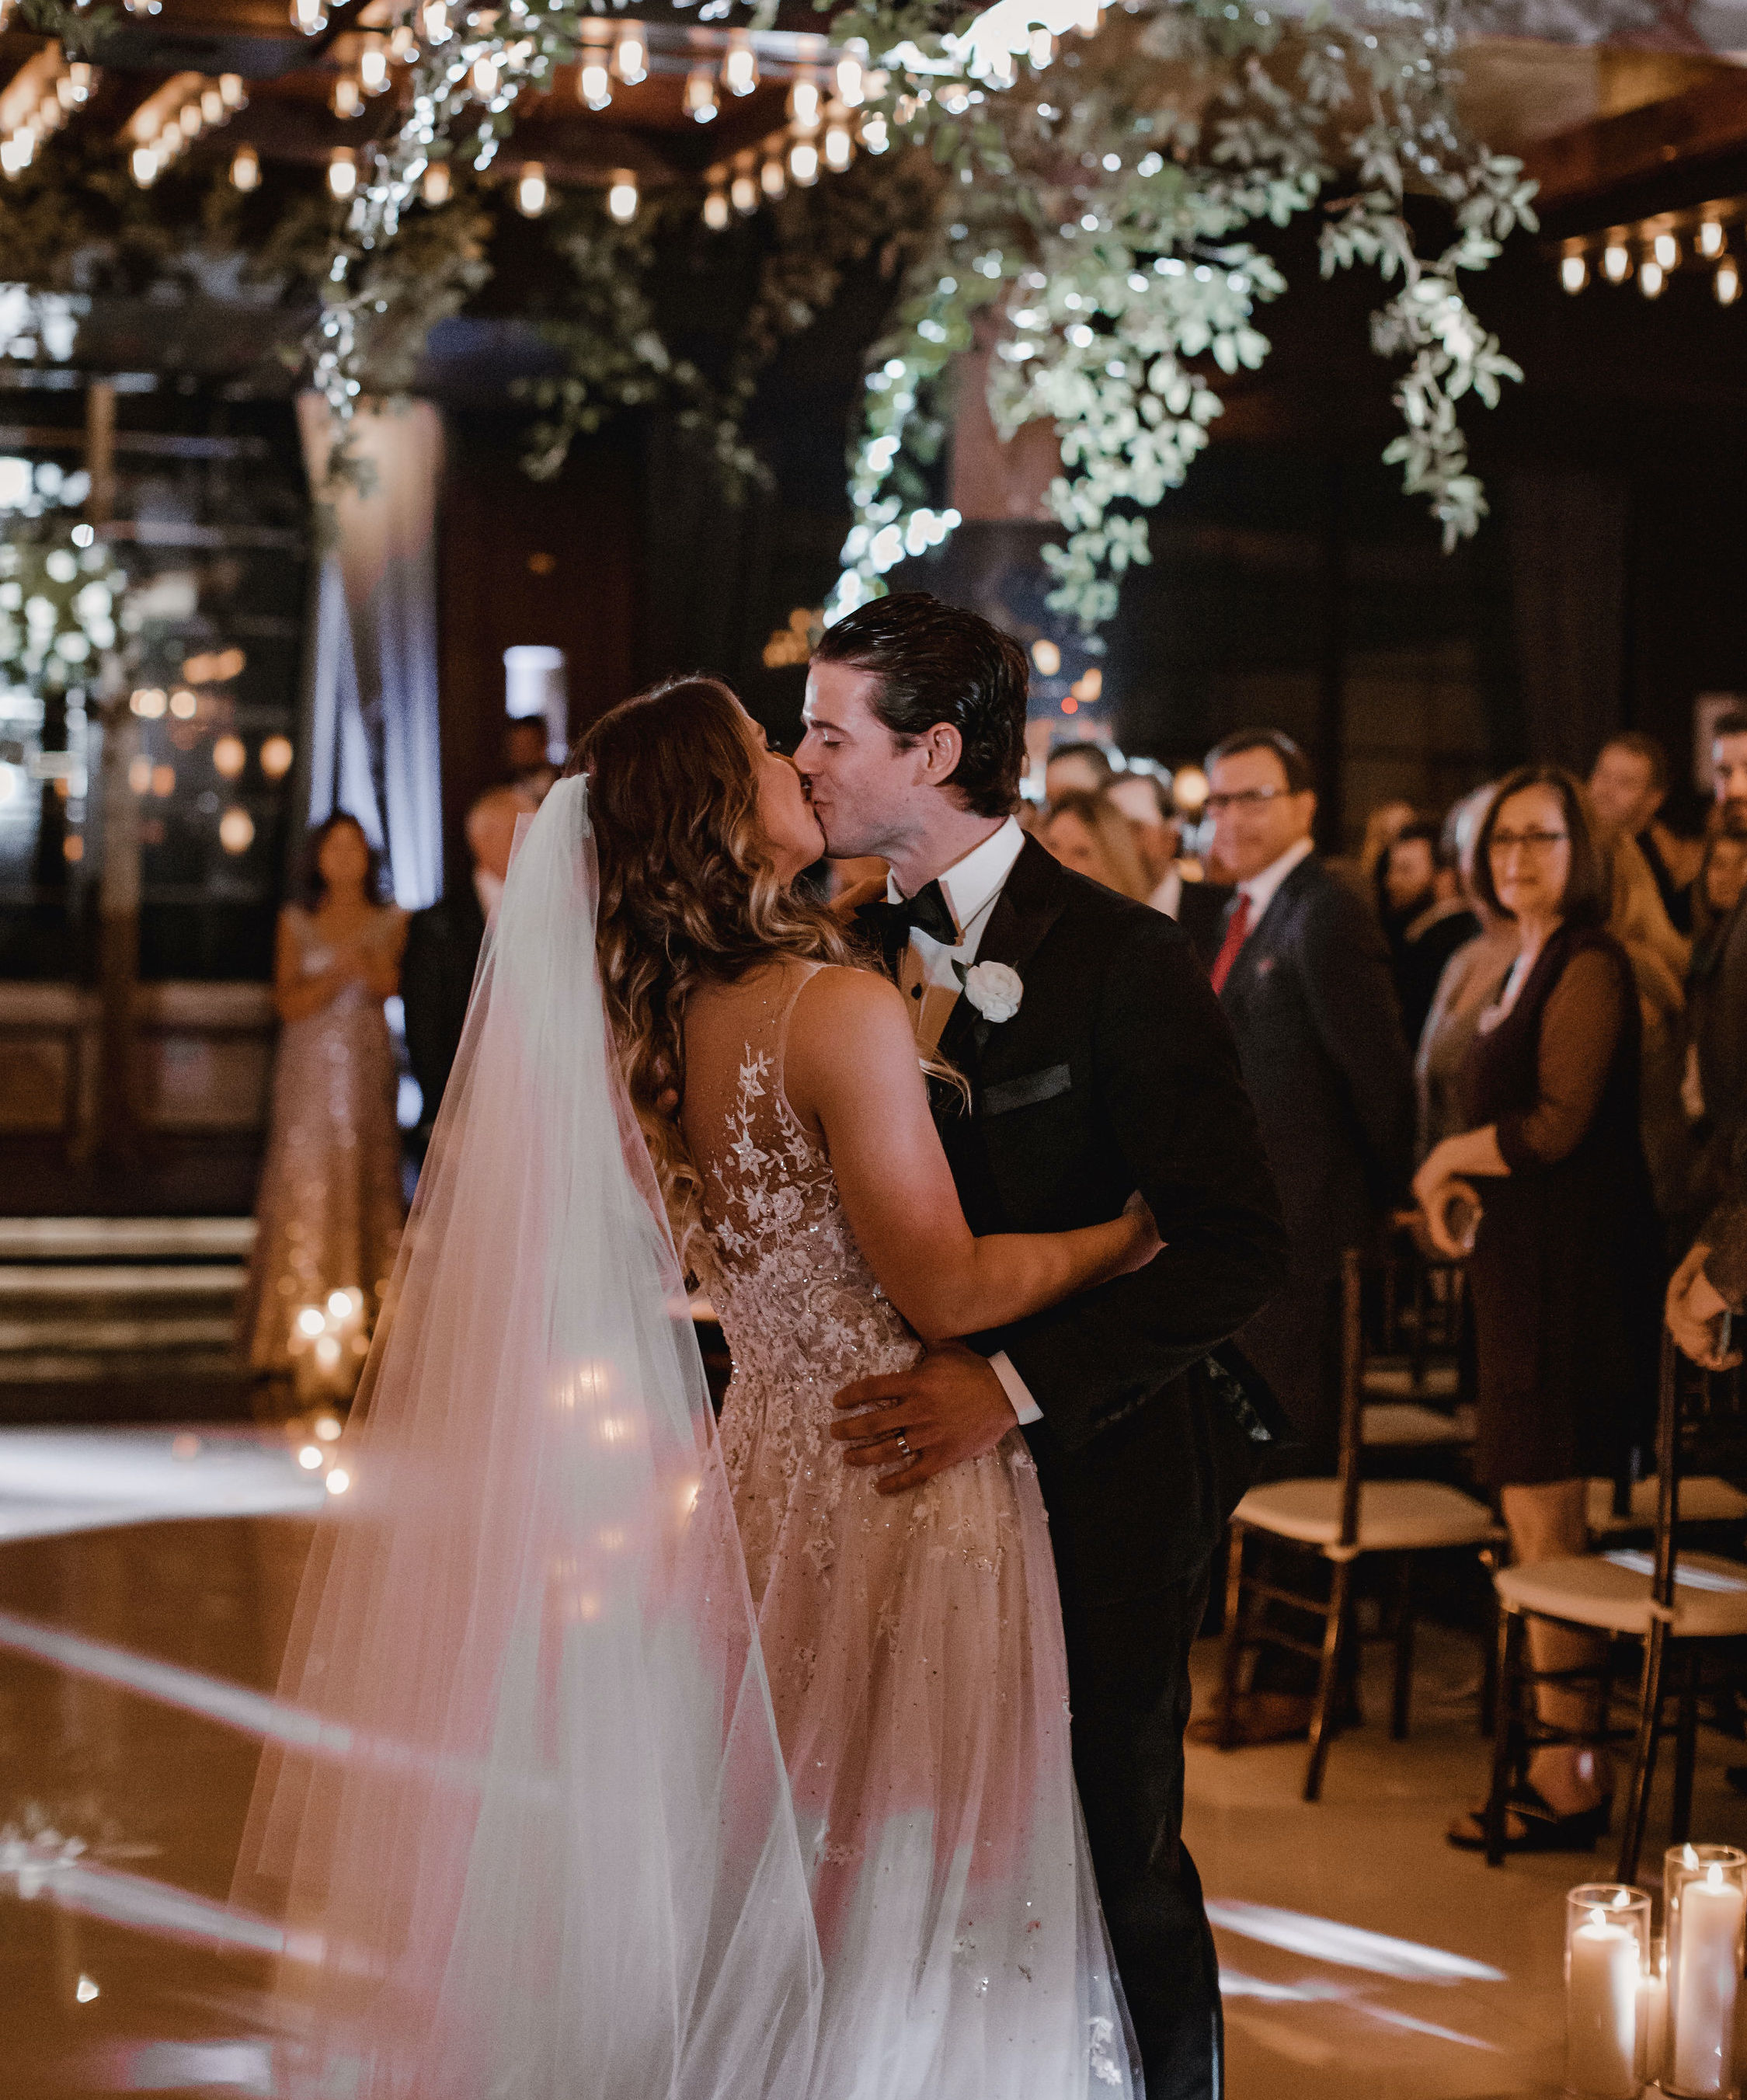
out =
column 937, row 663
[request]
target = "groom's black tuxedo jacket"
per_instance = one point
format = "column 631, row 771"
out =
column 1118, row 1072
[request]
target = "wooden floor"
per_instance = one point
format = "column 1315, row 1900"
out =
column 1363, row 1959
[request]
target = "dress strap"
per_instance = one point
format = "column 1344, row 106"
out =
column 785, row 1013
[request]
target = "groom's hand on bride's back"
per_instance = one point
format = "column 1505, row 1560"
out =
column 948, row 1407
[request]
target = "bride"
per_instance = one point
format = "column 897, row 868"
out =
column 622, row 1761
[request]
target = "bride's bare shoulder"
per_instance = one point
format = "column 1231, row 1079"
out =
column 844, row 1020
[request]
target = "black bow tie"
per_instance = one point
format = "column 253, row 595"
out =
column 892, row 924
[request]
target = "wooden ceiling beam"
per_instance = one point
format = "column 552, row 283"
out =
column 1704, row 121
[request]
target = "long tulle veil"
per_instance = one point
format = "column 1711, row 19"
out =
column 537, row 1842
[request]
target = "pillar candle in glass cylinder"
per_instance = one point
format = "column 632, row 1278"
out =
column 1652, row 2015
column 1607, row 1951
column 1706, row 1897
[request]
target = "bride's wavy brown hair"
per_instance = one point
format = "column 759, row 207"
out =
column 689, row 893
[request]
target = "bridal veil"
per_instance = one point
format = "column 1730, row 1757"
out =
column 535, row 1841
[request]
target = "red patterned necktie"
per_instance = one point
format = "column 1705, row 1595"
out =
column 1236, row 932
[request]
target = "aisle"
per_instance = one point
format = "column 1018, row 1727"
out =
column 1360, row 1955
column 1363, row 1959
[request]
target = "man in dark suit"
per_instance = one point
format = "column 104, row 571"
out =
column 443, row 951
column 1304, row 977
column 1097, row 1063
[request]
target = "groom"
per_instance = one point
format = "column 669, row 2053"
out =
column 1098, row 1061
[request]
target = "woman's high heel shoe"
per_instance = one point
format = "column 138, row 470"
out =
column 1531, row 1824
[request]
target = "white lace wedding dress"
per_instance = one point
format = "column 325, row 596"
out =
column 914, row 1649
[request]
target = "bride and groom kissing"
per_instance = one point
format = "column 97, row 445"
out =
column 649, row 1761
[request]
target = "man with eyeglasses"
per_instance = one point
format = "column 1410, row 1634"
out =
column 1303, row 976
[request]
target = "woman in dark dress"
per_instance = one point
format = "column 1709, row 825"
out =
column 1564, row 1273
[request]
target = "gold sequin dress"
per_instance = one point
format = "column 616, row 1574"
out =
column 330, row 1210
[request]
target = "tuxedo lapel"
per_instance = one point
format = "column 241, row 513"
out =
column 1031, row 901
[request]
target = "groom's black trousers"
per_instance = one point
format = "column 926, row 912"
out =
column 1129, row 1688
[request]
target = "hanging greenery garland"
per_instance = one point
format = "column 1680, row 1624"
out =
column 1105, row 203
column 1096, row 204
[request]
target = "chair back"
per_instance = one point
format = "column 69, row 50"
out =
column 1349, row 1469
column 1699, row 1422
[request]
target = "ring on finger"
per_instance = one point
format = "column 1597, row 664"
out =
column 903, row 1446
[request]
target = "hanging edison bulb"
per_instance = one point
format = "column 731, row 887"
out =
column 531, row 190
column 342, row 173
column 1617, row 262
column 1726, row 282
column 594, row 80
column 372, row 69
column 739, row 65
column 236, row 95
column 403, row 46
column 485, row 76
column 1573, row 271
column 804, row 104
column 876, row 133
column 143, row 164
column 435, row 184
column 1666, row 251
column 309, row 16
column 773, row 178
column 213, row 110
column 1710, row 242
column 803, row 163
column 434, row 23
column 717, row 213
column 621, row 196
column 1652, row 277
column 851, row 81
column 631, row 55
column 246, row 168
column 701, row 104
column 742, row 191
column 347, row 98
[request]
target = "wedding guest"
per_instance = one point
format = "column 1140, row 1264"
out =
column 1471, row 982
column 1674, row 846
column 1089, row 834
column 1144, row 799
column 1628, row 786
column 1562, row 1274
column 1080, row 767
column 1719, row 1022
column 1382, row 827
column 1303, row 977
column 527, row 757
column 442, row 950
column 329, row 1213
column 1428, row 919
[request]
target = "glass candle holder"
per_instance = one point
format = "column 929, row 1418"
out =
column 1652, row 2016
column 1705, row 1907
column 1607, row 1953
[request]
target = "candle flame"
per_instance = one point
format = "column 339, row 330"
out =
column 1688, row 1857
column 1714, row 1875
column 1622, row 1898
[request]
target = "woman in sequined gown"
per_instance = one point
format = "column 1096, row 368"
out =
column 912, row 1640
column 329, row 1209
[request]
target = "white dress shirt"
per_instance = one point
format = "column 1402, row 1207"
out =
column 970, row 887
column 928, row 978
column 1260, row 889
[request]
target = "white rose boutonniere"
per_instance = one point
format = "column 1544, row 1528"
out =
column 993, row 989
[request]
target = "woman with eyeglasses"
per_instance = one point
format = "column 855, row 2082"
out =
column 1549, row 1189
